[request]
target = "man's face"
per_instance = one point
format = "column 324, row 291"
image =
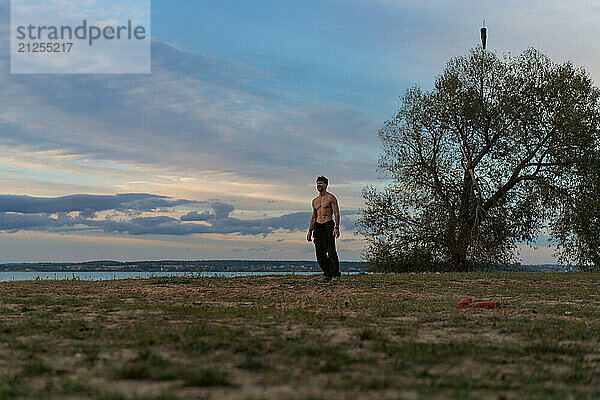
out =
column 321, row 186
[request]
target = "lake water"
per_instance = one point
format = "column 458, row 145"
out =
column 103, row 276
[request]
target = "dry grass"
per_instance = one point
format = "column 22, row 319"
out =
column 294, row 337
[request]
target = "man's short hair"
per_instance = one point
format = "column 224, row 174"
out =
column 323, row 179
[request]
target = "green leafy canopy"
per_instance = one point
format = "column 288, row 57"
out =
column 499, row 150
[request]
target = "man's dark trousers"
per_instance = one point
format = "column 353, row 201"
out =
column 325, row 247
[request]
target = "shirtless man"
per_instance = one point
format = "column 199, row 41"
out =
column 325, row 232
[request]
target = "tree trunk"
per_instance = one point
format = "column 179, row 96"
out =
column 459, row 251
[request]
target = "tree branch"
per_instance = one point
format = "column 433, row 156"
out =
column 514, row 179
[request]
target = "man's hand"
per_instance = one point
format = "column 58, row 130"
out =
column 308, row 237
column 336, row 232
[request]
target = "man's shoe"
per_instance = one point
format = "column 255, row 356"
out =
column 326, row 279
column 335, row 279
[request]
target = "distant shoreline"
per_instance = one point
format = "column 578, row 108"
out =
column 178, row 266
column 218, row 266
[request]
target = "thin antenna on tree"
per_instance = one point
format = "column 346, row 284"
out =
column 483, row 35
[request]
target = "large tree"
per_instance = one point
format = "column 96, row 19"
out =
column 498, row 151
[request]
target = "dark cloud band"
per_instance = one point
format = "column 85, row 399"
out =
column 88, row 203
column 76, row 213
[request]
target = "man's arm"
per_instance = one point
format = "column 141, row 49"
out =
column 336, row 211
column 312, row 225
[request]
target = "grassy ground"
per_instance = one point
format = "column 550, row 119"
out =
column 294, row 337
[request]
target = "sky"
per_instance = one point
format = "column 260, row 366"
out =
column 214, row 154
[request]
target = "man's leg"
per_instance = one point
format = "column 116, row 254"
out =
column 333, row 260
column 320, row 239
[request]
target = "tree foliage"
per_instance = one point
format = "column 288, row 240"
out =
column 498, row 151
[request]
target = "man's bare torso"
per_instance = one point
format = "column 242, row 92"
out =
column 323, row 205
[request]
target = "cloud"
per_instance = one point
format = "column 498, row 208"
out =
column 78, row 213
column 191, row 114
column 221, row 222
column 87, row 203
column 263, row 226
column 162, row 225
column 16, row 222
column 196, row 216
column 221, row 210
column 348, row 219
column 261, row 249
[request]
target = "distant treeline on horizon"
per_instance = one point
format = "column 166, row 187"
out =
column 182, row 266
column 223, row 266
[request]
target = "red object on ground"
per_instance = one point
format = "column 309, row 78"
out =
column 486, row 304
column 464, row 303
